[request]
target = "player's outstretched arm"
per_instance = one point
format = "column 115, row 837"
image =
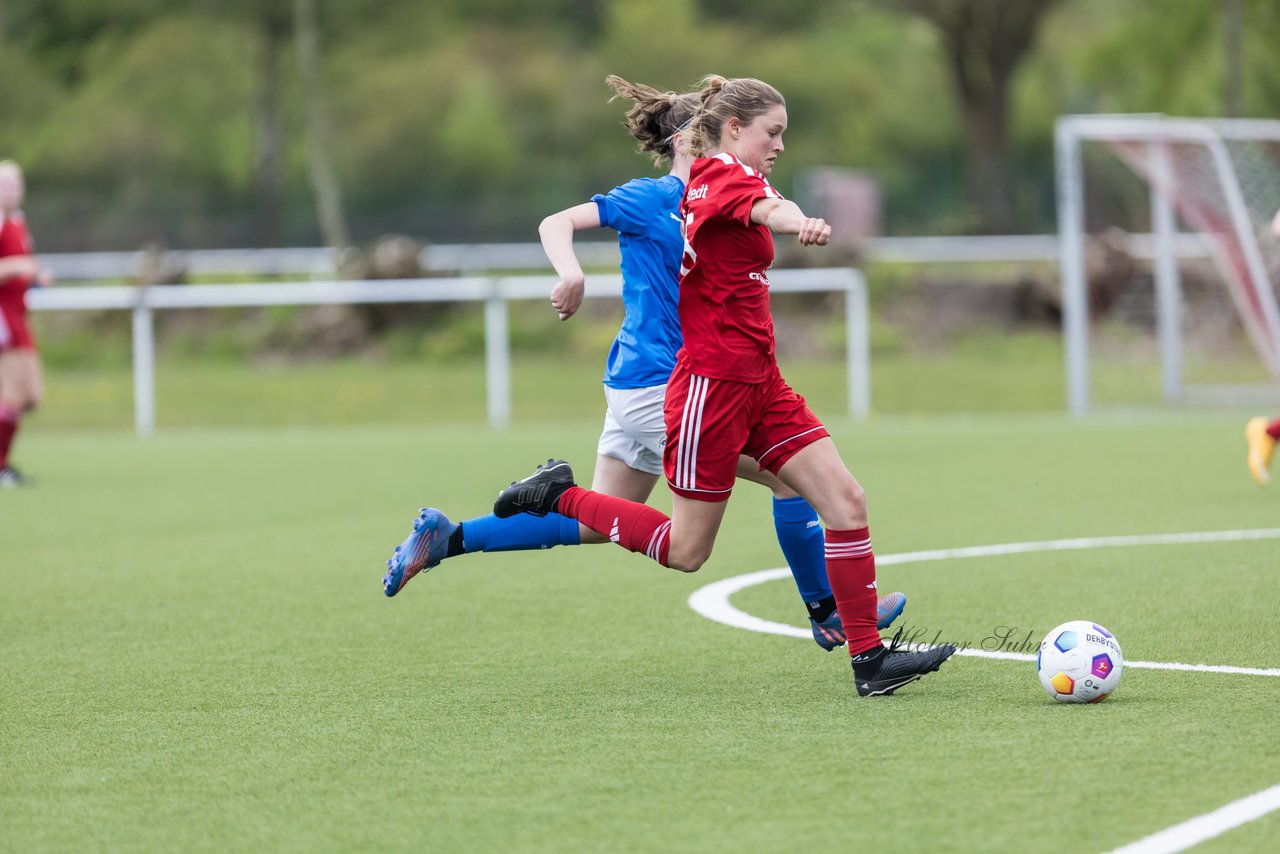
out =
column 783, row 216
column 556, row 233
column 23, row 267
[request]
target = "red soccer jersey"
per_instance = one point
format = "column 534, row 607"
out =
column 14, row 240
column 724, row 290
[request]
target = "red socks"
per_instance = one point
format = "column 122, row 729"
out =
column 851, row 569
column 851, row 565
column 9, row 418
column 634, row 526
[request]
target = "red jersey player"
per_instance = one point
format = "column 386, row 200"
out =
column 645, row 212
column 19, row 362
column 726, row 396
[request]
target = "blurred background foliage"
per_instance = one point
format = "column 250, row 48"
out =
column 185, row 123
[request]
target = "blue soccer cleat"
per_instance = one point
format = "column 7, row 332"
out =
column 830, row 632
column 424, row 548
column 889, row 608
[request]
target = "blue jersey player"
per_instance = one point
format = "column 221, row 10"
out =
column 645, row 214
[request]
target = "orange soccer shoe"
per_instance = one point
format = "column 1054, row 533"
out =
column 1261, row 446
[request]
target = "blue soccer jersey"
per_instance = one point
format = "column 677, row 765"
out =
column 646, row 214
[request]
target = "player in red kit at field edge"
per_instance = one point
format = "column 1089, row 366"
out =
column 19, row 361
column 726, row 396
column 1262, row 434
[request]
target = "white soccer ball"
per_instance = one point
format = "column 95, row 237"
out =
column 1079, row 662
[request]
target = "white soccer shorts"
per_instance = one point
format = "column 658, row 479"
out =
column 634, row 430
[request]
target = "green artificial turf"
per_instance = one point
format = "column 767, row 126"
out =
column 197, row 655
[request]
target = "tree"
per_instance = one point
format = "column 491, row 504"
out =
column 324, row 180
column 985, row 41
column 273, row 25
column 1198, row 57
column 61, row 33
column 1232, row 57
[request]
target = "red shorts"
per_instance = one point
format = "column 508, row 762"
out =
column 711, row 422
column 15, row 334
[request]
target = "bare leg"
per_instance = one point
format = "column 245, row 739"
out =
column 820, row 476
column 749, row 469
column 817, row 473
column 681, row 541
column 20, row 382
column 35, row 391
column 694, row 525
column 19, row 393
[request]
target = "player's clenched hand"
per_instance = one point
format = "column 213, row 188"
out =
column 566, row 297
column 814, row 231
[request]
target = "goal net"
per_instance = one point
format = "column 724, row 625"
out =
column 1168, row 253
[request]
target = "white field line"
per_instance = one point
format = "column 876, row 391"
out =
column 1192, row 832
column 712, row 601
column 1082, row 543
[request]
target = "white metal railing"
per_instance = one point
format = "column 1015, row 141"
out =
column 94, row 266
column 472, row 258
column 494, row 292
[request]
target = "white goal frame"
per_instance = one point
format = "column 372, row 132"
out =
column 1242, row 263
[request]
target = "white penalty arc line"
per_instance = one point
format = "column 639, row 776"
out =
column 1192, row 832
column 712, row 601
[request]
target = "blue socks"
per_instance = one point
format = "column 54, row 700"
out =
column 801, row 537
column 518, row 533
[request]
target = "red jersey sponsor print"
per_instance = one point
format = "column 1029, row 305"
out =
column 724, row 286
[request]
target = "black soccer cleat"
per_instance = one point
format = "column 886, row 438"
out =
column 538, row 493
column 882, row 671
